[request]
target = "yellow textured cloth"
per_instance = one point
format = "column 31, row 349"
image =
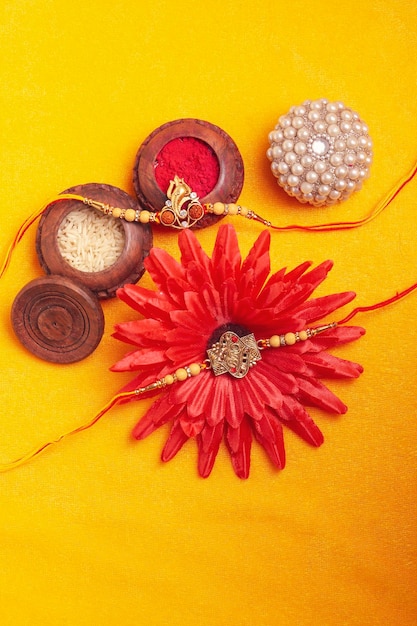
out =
column 97, row 530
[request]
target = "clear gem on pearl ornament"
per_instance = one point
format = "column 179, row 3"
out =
column 326, row 147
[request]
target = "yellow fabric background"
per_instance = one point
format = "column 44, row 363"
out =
column 97, row 530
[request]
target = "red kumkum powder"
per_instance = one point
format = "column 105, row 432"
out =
column 190, row 159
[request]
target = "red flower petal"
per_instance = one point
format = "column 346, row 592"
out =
column 226, row 260
column 325, row 365
column 163, row 267
column 191, row 425
column 208, row 442
column 239, row 442
column 142, row 333
column 268, row 432
column 147, row 302
column 314, row 393
column 318, row 308
column 159, row 413
column 192, row 253
column 177, row 438
column 299, row 421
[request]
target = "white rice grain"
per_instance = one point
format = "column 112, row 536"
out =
column 90, row 241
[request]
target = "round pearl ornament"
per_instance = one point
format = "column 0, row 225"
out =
column 332, row 152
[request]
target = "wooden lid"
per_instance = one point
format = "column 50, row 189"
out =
column 129, row 266
column 57, row 319
column 231, row 170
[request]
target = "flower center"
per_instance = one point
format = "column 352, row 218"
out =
column 239, row 330
column 233, row 353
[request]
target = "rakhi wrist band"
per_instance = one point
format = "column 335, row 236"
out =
column 233, row 354
column 183, row 209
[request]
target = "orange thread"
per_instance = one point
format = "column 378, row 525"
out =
column 381, row 206
column 31, row 455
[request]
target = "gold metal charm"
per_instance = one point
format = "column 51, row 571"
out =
column 183, row 208
column 233, row 354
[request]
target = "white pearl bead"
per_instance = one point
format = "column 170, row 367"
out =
column 275, row 135
column 306, row 187
column 283, row 167
column 346, row 115
column 311, row 176
column 303, row 133
column 277, row 152
column 290, row 132
column 354, row 173
column 313, row 116
column 340, row 184
column 300, row 148
column 331, row 118
column 345, row 127
column 324, row 190
column 320, row 126
column 298, row 122
column 332, row 107
column 327, row 178
column 341, row 171
column 284, row 121
column 320, row 167
column 336, row 158
column 290, row 158
column 306, row 160
column 288, row 145
column 340, row 145
column 293, row 180
column 333, row 130
column 352, row 142
column 316, row 104
column 297, row 169
column 300, row 110
column 350, row 158
column 334, row 194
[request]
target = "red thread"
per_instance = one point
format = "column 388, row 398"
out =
column 190, row 159
column 378, row 305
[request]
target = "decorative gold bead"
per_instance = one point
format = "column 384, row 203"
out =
column 130, row 215
column 169, row 379
column 275, row 341
column 233, row 209
column 303, row 335
column 116, row 212
column 144, row 217
column 195, row 369
column 243, row 211
column 218, row 208
column 181, row 374
column 290, row 339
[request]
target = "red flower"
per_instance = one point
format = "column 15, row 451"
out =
column 196, row 301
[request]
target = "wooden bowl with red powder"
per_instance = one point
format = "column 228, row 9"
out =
column 203, row 154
